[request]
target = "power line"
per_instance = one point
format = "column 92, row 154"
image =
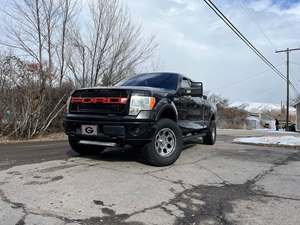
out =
column 297, row 64
column 246, row 9
column 252, row 77
column 245, row 40
column 253, row 19
column 263, row 91
column 264, row 94
column 242, row 37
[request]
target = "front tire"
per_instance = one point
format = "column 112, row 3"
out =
column 82, row 149
column 210, row 137
column 166, row 144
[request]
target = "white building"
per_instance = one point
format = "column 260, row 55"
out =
column 252, row 122
column 297, row 106
column 260, row 121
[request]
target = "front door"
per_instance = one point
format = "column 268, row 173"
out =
column 191, row 109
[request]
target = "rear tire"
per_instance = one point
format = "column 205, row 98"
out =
column 166, row 144
column 82, row 149
column 210, row 137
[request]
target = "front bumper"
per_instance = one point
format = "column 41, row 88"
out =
column 118, row 130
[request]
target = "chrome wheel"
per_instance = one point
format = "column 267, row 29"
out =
column 165, row 142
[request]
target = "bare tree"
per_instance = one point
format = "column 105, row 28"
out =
column 25, row 33
column 33, row 32
column 51, row 12
column 78, row 61
column 114, row 47
column 50, row 49
column 67, row 8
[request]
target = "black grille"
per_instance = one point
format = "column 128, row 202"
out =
column 99, row 108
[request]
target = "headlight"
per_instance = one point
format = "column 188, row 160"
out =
column 139, row 103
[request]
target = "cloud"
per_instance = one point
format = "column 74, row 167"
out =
column 195, row 42
column 260, row 5
column 278, row 7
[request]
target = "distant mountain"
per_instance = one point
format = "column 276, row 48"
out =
column 258, row 107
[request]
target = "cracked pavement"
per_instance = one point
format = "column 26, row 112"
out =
column 225, row 184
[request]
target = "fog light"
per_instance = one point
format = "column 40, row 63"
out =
column 134, row 131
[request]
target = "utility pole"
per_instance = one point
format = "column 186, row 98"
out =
column 287, row 82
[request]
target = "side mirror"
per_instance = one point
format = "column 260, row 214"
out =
column 197, row 89
column 196, row 92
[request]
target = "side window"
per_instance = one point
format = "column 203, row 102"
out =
column 185, row 83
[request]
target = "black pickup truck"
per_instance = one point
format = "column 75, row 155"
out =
column 155, row 112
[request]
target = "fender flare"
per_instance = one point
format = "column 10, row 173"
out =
column 165, row 107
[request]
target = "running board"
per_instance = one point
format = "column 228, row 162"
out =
column 191, row 137
column 108, row 144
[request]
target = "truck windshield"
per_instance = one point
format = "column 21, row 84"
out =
column 155, row 80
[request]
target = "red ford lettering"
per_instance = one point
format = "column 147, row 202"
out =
column 101, row 100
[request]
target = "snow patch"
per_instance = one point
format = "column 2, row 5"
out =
column 258, row 107
column 269, row 140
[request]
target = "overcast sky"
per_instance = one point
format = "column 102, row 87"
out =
column 194, row 41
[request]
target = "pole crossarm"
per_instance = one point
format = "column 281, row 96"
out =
column 288, row 50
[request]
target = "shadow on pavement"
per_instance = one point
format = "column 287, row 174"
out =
column 124, row 154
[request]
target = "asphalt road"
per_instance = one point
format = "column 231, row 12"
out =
column 46, row 183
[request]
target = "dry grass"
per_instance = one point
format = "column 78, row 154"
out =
column 47, row 137
column 231, row 117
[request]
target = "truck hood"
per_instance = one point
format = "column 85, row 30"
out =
column 134, row 88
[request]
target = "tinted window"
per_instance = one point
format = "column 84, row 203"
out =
column 166, row 81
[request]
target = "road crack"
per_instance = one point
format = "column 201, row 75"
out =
column 15, row 205
column 196, row 203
